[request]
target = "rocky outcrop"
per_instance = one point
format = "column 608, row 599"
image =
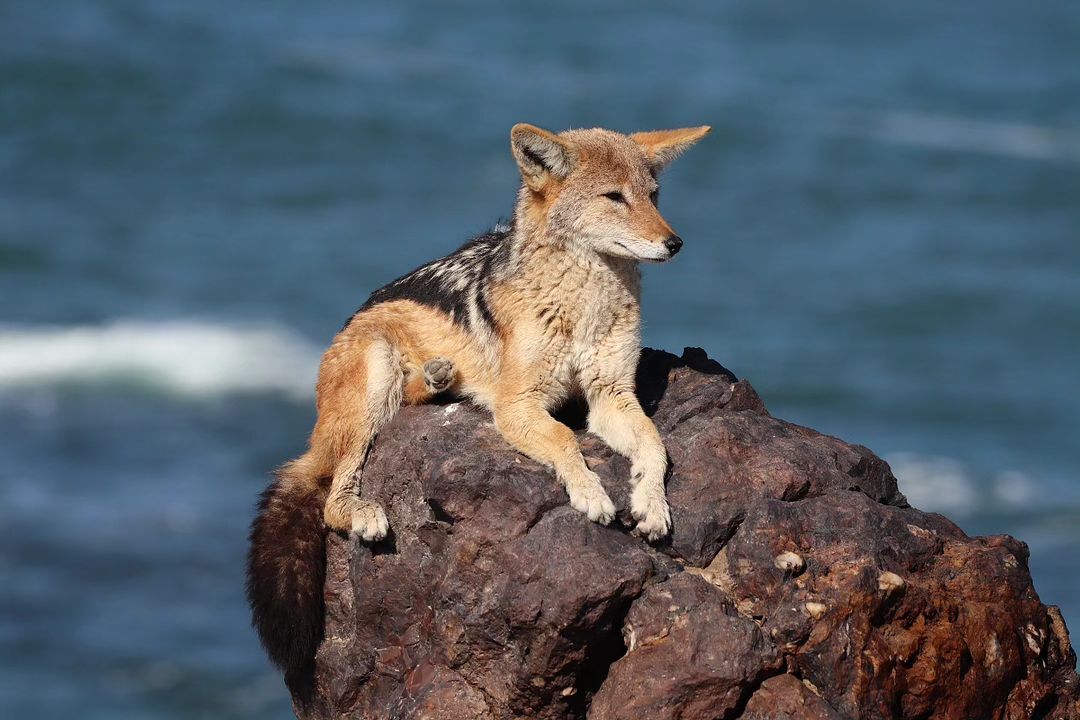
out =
column 797, row 583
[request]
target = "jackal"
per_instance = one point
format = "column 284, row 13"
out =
column 518, row 320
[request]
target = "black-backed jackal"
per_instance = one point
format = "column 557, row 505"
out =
column 518, row 320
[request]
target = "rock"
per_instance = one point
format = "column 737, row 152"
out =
column 690, row 654
column 797, row 582
column 784, row 697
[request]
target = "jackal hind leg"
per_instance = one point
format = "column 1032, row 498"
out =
column 355, row 421
column 346, row 511
column 436, row 376
column 439, row 374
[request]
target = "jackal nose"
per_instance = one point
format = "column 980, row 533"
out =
column 673, row 244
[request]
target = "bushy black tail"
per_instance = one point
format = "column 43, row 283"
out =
column 285, row 572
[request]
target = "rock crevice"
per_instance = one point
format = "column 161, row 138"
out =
column 797, row 582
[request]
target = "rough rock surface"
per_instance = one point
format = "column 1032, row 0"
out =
column 493, row 599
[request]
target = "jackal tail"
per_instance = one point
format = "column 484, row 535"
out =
column 286, row 566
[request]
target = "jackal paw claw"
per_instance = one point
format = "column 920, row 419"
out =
column 652, row 514
column 593, row 500
column 369, row 522
column 438, row 374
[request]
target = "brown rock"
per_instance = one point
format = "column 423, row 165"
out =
column 690, row 654
column 785, row 697
column 493, row 599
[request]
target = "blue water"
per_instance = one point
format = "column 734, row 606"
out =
column 883, row 234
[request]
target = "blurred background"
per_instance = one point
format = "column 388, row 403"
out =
column 883, row 235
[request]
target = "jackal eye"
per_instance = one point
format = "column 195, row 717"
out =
column 654, row 197
column 616, row 196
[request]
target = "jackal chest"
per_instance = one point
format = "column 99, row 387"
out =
column 588, row 316
column 585, row 303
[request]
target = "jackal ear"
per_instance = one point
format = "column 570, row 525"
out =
column 663, row 146
column 541, row 154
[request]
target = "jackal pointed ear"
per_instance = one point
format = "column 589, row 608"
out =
column 663, row 146
column 541, row 154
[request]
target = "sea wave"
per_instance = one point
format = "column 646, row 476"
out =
column 948, row 132
column 942, row 484
column 187, row 358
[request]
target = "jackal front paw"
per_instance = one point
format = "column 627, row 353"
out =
column 438, row 374
column 588, row 496
column 650, row 508
column 369, row 521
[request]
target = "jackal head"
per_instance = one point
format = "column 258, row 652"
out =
column 598, row 189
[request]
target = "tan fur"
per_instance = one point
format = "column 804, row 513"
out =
column 567, row 322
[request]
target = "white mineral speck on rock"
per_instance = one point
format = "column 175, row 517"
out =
column 789, row 562
column 890, row 582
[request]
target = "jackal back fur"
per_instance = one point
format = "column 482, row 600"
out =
column 518, row 320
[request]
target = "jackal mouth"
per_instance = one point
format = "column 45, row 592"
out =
column 637, row 255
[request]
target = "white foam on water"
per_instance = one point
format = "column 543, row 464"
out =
column 947, row 132
column 182, row 357
column 935, row 484
column 941, row 484
column 1013, row 487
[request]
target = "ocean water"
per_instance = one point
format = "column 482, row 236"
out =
column 882, row 234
